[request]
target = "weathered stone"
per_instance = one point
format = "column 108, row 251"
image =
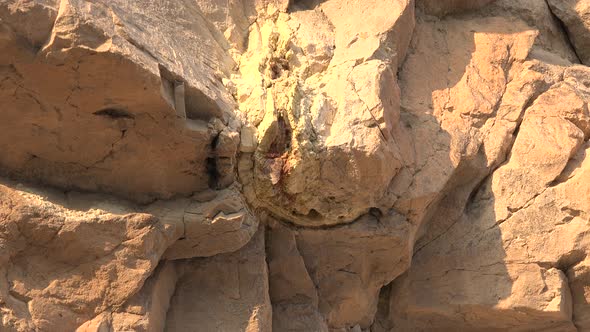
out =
column 145, row 311
column 579, row 279
column 211, row 225
column 106, row 120
column 305, row 261
column 551, row 44
column 53, row 244
column 445, row 7
column 467, row 111
column 223, row 293
column 575, row 15
column 326, row 109
column 62, row 266
column 292, row 292
column 248, row 140
column 520, row 233
column 294, row 165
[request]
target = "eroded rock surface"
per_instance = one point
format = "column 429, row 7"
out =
column 223, row 293
column 62, row 266
column 68, row 257
column 575, row 15
column 302, row 165
column 337, row 272
column 326, row 108
column 91, row 103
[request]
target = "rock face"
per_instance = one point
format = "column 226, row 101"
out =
column 326, row 108
column 302, row 165
column 575, row 15
column 339, row 271
column 124, row 91
column 445, row 7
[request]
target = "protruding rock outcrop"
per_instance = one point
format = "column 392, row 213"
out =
column 90, row 103
column 68, row 257
column 294, row 165
column 326, row 108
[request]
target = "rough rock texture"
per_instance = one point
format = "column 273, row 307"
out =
column 294, row 165
column 91, row 104
column 61, row 265
column 445, row 7
column 575, row 15
column 326, row 107
column 67, row 257
column 223, row 293
column 337, row 272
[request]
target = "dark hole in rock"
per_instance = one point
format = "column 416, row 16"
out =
column 277, row 66
column 212, row 172
column 375, row 212
column 214, row 142
column 570, row 260
column 275, row 71
column 114, row 113
column 282, row 141
column 314, row 215
column 296, row 5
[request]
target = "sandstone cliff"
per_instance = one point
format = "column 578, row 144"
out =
column 294, row 165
